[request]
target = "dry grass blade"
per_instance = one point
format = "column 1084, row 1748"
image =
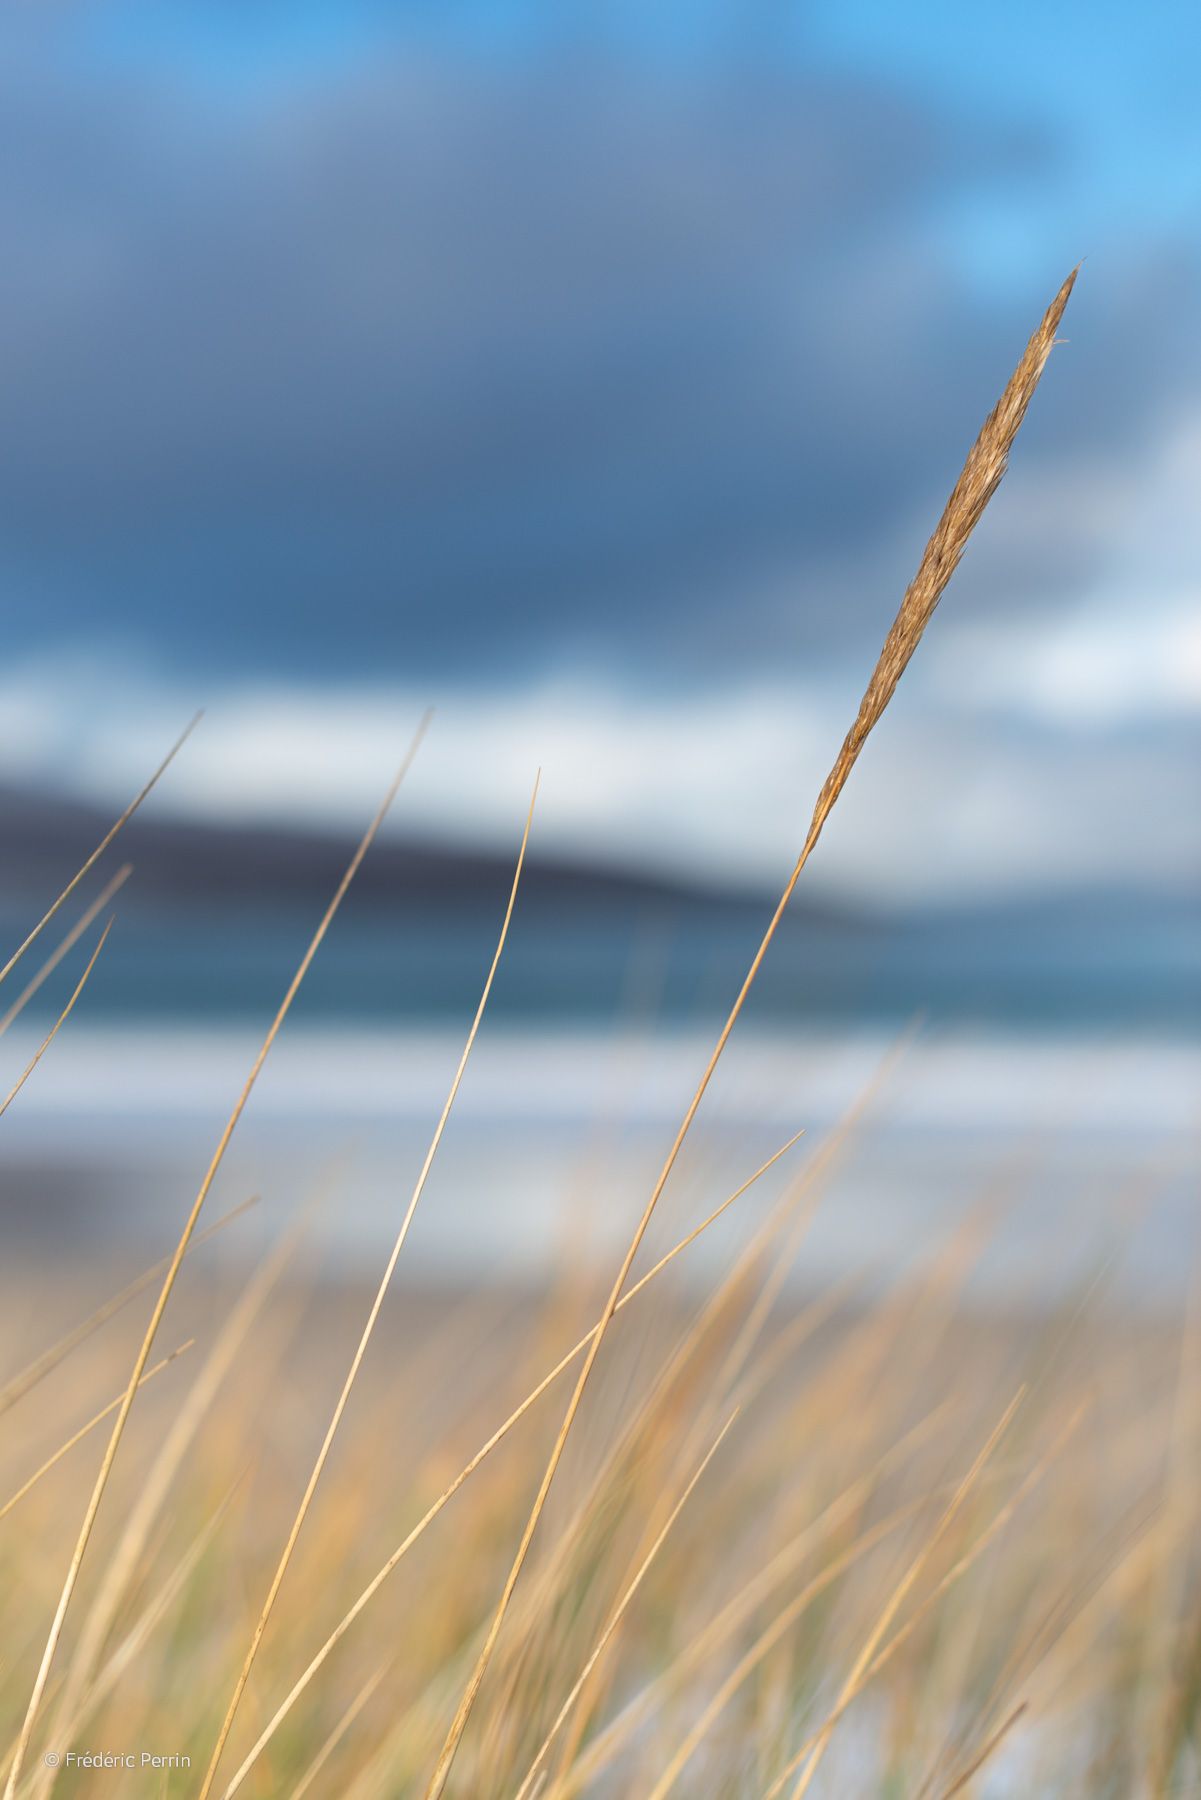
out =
column 122, row 1561
column 958, row 1569
column 815, row 1175
column 799, row 1204
column 339, row 1732
column 448, row 1493
column 61, row 1020
column 101, row 847
column 767, row 1640
column 730, row 1620
column 78, row 1436
column 143, row 1356
column 670, row 1379
column 369, row 1327
column 994, row 1743
column 963, row 1563
column 619, row 1612
column 20, row 1384
column 892, row 1607
column 68, row 943
column 139, row 1632
column 981, row 474
column 1070, row 1606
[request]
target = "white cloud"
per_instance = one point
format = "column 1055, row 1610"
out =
column 1109, row 664
column 1018, row 754
column 1130, row 653
column 717, row 784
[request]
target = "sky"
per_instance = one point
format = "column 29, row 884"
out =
column 595, row 375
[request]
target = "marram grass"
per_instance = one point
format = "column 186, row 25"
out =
column 861, row 1543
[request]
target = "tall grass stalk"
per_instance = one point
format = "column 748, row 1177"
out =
column 66, row 944
column 58, row 1024
column 469, row 1468
column 980, row 477
column 356, row 1360
column 825, row 1605
column 86, row 868
column 160, row 1307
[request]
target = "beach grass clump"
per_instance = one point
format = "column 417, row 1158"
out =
column 772, row 1539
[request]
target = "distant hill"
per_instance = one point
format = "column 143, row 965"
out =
column 215, row 916
column 44, row 838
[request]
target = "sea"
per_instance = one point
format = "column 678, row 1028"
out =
column 1023, row 1082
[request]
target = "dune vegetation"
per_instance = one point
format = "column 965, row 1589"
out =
column 622, row 1538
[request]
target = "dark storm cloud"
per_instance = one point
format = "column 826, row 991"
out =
column 422, row 367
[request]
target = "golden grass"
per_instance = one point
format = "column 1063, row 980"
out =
column 356, row 1360
column 977, row 483
column 469, row 1468
column 618, row 1614
column 77, row 1437
column 143, row 1355
column 979, row 479
column 752, row 1563
column 754, row 1625
column 89, row 864
column 18, row 1385
column 58, row 1024
column 812, row 1750
column 66, row 944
